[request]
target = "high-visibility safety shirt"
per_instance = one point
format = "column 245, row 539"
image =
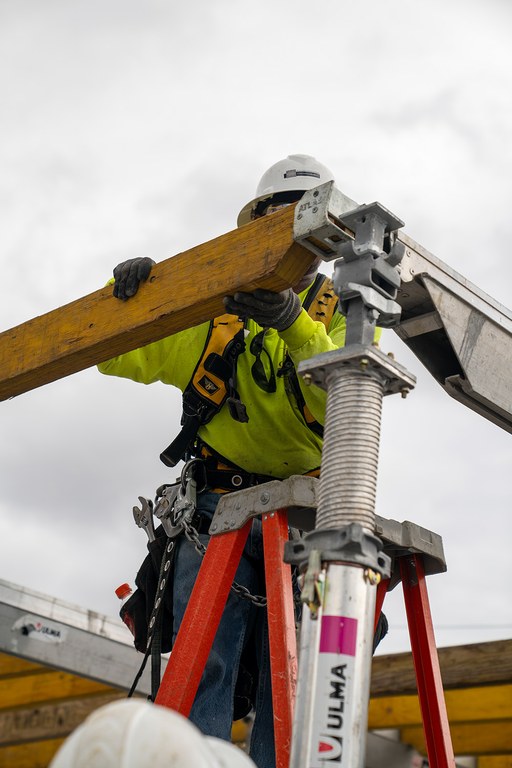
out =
column 276, row 440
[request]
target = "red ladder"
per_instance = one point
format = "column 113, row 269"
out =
column 203, row 614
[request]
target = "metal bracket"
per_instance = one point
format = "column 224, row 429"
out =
column 175, row 506
column 318, row 226
column 235, row 509
column 350, row 544
column 298, row 494
column 366, row 276
column 369, row 360
column 372, row 225
column 409, row 538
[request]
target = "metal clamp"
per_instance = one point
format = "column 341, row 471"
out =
column 366, row 277
column 368, row 360
column 351, row 544
column 298, row 494
column 367, row 270
column 177, row 503
column 318, row 226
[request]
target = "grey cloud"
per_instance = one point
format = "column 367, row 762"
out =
column 144, row 148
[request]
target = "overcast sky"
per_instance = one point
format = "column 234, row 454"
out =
column 140, row 129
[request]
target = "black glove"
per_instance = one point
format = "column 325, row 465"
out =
column 129, row 274
column 268, row 309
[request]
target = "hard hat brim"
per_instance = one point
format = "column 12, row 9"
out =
column 244, row 217
column 295, row 174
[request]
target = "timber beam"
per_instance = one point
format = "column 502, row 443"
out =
column 182, row 291
column 477, row 680
column 462, row 666
column 464, row 705
column 488, row 738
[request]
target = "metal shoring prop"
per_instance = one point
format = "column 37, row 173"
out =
column 342, row 559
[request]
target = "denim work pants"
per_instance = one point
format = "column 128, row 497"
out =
column 212, row 711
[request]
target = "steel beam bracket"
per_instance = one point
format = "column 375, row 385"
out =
column 366, row 359
column 318, row 225
column 366, row 277
column 298, row 495
column 351, row 544
column 366, row 274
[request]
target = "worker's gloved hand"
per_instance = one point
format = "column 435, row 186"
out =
column 268, row 309
column 129, row 274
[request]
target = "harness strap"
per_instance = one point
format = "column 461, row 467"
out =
column 213, row 382
column 321, row 303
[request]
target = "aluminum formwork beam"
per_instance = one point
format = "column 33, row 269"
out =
column 41, row 629
column 460, row 334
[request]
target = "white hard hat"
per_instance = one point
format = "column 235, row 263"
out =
column 136, row 734
column 229, row 755
column 288, row 178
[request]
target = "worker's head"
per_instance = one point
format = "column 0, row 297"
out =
column 285, row 182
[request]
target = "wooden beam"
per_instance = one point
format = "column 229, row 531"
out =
column 462, row 666
column 494, row 737
column 13, row 665
column 47, row 686
column 50, row 721
column 182, row 291
column 495, row 761
column 493, row 702
column 37, row 754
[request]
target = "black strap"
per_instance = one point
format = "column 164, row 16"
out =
column 139, row 673
column 279, row 198
column 177, row 449
column 156, row 656
column 258, row 369
column 234, row 479
column 288, row 368
column 311, row 294
column 199, row 410
column 154, row 643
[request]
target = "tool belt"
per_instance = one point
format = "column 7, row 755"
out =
column 221, row 477
column 224, row 480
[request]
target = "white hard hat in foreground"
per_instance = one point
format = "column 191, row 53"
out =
column 136, row 734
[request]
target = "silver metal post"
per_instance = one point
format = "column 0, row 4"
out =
column 337, row 677
column 338, row 625
column 350, row 457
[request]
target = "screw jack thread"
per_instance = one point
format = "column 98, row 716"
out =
column 348, row 481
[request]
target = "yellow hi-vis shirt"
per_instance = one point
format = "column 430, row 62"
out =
column 276, row 440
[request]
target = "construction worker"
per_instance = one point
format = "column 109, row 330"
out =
column 268, row 427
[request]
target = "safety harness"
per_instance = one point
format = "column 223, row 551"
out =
column 213, row 382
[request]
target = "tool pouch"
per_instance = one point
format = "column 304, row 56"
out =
column 136, row 612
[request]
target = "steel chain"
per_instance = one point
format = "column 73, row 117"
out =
column 192, row 535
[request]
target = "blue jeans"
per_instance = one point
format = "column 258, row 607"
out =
column 241, row 622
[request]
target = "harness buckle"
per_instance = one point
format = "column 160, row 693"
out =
column 177, row 505
column 237, row 410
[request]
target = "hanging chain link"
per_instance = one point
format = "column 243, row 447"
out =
column 192, row 535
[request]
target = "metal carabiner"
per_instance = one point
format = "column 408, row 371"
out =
column 186, row 474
